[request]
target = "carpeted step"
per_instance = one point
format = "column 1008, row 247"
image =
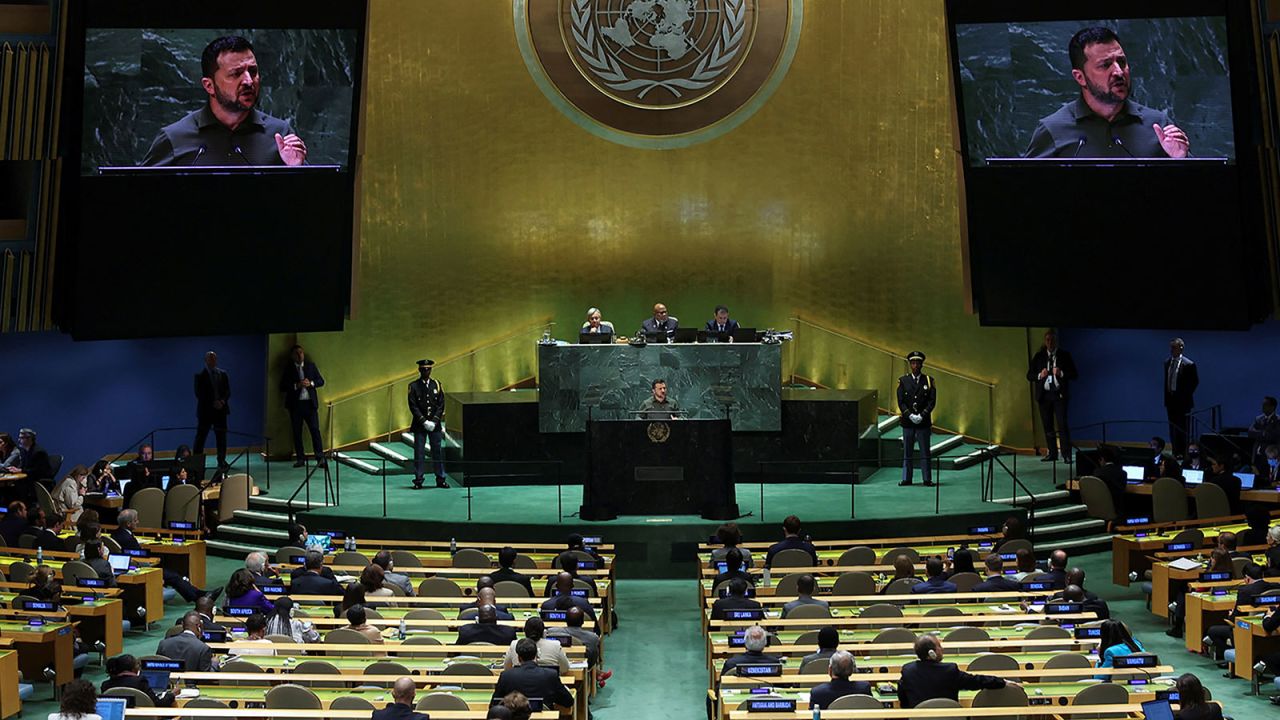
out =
column 281, row 504
column 263, row 519
column 237, row 550
column 1062, row 513
column 976, row 454
column 1074, row 528
column 371, row 463
column 1043, row 500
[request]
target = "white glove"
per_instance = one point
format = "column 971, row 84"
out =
column 916, row 418
column 431, row 427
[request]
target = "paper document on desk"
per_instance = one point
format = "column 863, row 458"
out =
column 1185, row 563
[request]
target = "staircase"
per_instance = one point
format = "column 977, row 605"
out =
column 1059, row 523
column 1062, row 524
column 396, row 456
column 264, row 526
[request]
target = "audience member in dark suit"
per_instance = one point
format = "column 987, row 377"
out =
column 139, row 473
column 486, row 629
column 507, row 561
column 187, row 645
column 1220, row 634
column 1057, row 573
column 1088, row 601
column 755, row 640
column 1267, row 472
column 299, row 382
column 841, row 669
column 1112, row 475
column 733, row 569
column 1219, row 474
column 996, row 580
column 37, row 527
column 791, row 540
column 1265, row 430
column 531, row 680
column 35, row 460
column 736, row 600
column 936, row 582
column 123, row 672
column 929, row 677
column 1180, row 381
column 1051, row 373
column 123, row 535
column 14, row 524
column 722, row 323
column 213, row 396
column 1195, row 459
column 403, row 693
column 310, row 581
column 564, row 597
column 661, row 323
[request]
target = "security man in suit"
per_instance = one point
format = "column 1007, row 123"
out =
column 1180, row 381
column 916, row 399
column 722, row 324
column 213, row 394
column 187, row 645
column 299, row 382
column 426, row 404
column 1265, row 431
column 1052, row 371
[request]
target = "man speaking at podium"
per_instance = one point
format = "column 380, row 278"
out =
column 1104, row 121
column 658, row 406
column 228, row 129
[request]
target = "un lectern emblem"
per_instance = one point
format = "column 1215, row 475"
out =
column 659, row 432
column 658, row 73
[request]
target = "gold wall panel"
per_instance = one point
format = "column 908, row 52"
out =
column 485, row 210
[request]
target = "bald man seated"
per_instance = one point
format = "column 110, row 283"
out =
column 402, row 709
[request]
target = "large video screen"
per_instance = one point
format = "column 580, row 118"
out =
column 152, row 98
column 212, row 155
column 1110, row 161
column 1027, row 92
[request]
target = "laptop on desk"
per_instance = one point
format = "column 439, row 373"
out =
column 1134, row 473
column 1193, row 477
column 119, row 563
column 111, row 708
column 1246, row 480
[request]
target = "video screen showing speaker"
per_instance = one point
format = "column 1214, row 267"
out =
column 1046, row 89
column 216, row 153
column 1109, row 154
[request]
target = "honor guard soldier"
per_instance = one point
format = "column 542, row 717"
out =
column 426, row 404
column 916, row 398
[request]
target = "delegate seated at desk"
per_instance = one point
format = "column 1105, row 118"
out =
column 660, row 323
column 722, row 323
column 658, row 406
column 594, row 325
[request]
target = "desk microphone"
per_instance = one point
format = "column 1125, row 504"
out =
column 1120, row 144
column 1079, row 144
column 238, row 151
column 199, row 154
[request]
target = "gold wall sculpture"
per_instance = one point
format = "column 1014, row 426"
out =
column 485, row 210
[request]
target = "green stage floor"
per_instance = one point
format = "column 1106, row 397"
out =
column 878, row 498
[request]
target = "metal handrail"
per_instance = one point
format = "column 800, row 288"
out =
column 263, row 443
column 896, row 357
column 933, row 367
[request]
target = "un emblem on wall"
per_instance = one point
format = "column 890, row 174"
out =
column 658, row 73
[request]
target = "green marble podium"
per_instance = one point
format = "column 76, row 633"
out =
column 707, row 380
